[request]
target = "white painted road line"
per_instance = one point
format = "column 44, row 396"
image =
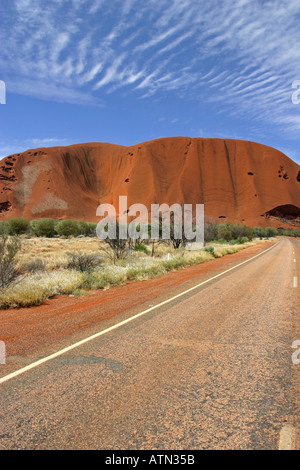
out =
column 114, row 327
column 295, row 281
column 287, row 438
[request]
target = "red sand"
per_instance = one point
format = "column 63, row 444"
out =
column 237, row 181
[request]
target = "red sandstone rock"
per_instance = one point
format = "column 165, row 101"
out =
column 237, row 181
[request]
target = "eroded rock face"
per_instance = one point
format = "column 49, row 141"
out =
column 287, row 211
column 237, row 181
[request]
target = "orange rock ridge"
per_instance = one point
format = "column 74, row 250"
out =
column 237, row 181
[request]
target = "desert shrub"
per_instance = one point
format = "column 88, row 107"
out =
column 4, row 227
column 33, row 266
column 142, row 248
column 243, row 240
column 259, row 232
column 248, row 232
column 271, row 232
column 92, row 229
column 88, row 229
column 224, row 232
column 67, row 228
column 209, row 249
column 210, row 232
column 82, row 227
column 265, row 232
column 83, row 261
column 118, row 246
column 18, row 225
column 231, row 231
column 43, row 227
column 9, row 272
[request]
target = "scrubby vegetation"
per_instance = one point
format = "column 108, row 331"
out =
column 43, row 258
column 84, row 262
column 9, row 272
column 50, row 228
column 238, row 233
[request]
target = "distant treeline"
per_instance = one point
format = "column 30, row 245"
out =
column 49, row 228
column 237, row 232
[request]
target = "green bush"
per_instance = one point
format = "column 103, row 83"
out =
column 141, row 247
column 243, row 240
column 18, row 225
column 271, row 232
column 209, row 249
column 43, row 227
column 224, row 232
column 88, row 229
column 259, row 232
column 230, row 231
column 67, row 228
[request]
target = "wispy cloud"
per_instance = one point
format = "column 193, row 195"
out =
column 241, row 56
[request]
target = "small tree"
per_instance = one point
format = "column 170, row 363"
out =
column 156, row 242
column 175, row 230
column 43, row 227
column 9, row 247
column 259, row 232
column 271, row 232
column 117, row 245
column 83, row 228
column 224, row 231
column 18, row 225
column 210, row 232
column 177, row 241
column 87, row 229
column 91, row 229
column 67, row 228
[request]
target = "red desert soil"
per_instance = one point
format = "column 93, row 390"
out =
column 26, row 329
column 238, row 181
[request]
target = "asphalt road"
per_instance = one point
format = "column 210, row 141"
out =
column 211, row 369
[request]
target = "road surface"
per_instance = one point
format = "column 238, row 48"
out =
column 210, row 369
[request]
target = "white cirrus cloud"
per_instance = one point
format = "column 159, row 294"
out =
column 242, row 56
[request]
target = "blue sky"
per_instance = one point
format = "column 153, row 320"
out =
column 127, row 71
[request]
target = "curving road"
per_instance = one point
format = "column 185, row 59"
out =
column 211, row 369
